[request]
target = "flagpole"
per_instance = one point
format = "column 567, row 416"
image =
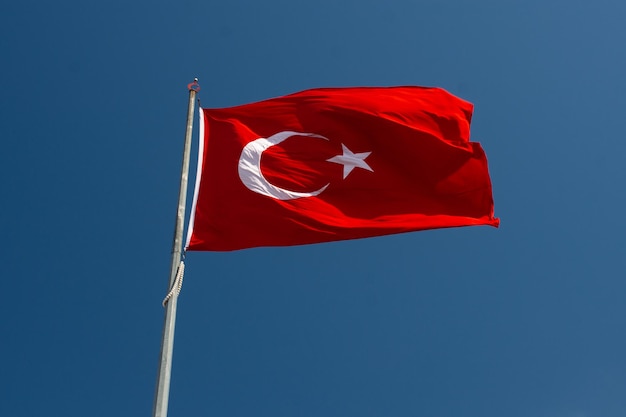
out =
column 161, row 398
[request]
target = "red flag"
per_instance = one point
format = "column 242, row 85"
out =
column 337, row 163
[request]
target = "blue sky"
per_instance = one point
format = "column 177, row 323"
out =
column 522, row 321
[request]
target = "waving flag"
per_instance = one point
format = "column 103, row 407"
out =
column 334, row 164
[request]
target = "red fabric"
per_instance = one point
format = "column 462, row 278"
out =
column 424, row 173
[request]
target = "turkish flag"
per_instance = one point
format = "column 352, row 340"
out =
column 334, row 164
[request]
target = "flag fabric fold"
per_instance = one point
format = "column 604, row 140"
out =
column 334, row 164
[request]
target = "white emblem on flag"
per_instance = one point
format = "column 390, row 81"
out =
column 252, row 177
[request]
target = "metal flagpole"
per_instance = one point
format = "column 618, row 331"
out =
column 167, row 342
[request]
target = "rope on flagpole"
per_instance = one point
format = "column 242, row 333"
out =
column 177, row 285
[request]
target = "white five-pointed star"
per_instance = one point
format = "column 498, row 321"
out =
column 351, row 160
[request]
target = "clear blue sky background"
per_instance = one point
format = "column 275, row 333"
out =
column 523, row 321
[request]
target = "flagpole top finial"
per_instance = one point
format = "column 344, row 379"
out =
column 194, row 85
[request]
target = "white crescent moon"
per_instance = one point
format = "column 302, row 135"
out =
column 250, row 167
